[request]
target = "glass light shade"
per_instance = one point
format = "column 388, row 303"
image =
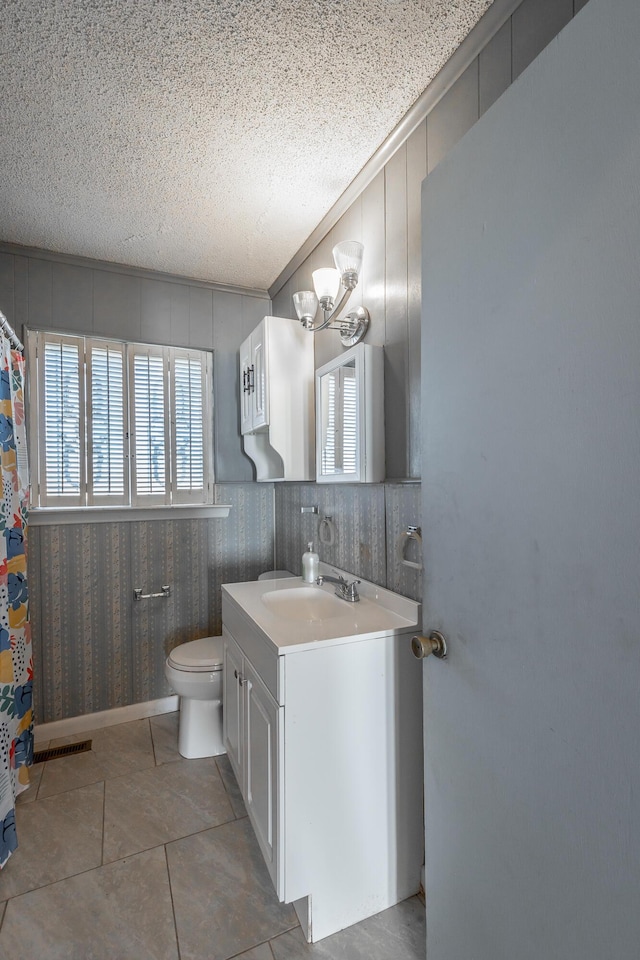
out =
column 327, row 283
column 348, row 257
column 306, row 304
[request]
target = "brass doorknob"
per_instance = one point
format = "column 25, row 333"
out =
column 435, row 643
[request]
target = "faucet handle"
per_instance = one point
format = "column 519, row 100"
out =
column 350, row 589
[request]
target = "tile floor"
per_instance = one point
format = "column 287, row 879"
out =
column 129, row 852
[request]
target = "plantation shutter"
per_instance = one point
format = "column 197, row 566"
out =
column 107, row 445
column 191, row 422
column 61, row 401
column 119, row 424
column 149, row 424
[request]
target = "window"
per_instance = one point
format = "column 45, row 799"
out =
column 119, row 424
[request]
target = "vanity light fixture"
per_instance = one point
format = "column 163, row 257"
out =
column 327, row 282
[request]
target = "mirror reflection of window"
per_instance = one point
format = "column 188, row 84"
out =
column 338, row 398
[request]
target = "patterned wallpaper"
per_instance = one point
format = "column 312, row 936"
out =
column 95, row 648
column 368, row 520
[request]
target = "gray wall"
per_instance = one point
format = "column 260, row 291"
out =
column 93, row 648
column 68, row 294
column 368, row 520
column 386, row 218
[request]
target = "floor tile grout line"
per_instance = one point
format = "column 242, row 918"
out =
column 153, row 744
column 3, row 911
column 262, row 943
column 227, row 791
column 187, row 836
column 104, row 814
column 70, row 876
column 173, row 906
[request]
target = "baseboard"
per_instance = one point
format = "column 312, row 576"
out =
column 104, row 718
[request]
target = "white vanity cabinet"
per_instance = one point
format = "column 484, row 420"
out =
column 252, row 725
column 325, row 737
column 277, row 399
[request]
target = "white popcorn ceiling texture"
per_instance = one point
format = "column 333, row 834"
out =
column 205, row 138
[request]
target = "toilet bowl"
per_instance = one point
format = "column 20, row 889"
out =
column 275, row 575
column 194, row 670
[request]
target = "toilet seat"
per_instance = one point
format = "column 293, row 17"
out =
column 198, row 656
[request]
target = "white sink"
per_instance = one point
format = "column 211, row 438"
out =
column 293, row 614
column 304, row 603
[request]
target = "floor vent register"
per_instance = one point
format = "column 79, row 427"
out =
column 67, row 750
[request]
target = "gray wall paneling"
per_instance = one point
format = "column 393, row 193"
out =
column 416, row 172
column 453, row 115
column 71, row 296
column 84, row 298
column 494, row 68
column 385, row 217
column 535, row 23
column 117, row 309
column 396, row 359
column 7, row 299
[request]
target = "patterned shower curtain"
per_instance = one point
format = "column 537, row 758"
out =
column 16, row 665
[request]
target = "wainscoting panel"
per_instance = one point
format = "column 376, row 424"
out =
column 95, row 648
column 172, row 552
column 358, row 514
column 241, row 547
column 81, row 618
column 403, row 503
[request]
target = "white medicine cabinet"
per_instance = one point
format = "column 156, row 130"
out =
column 276, row 399
column 350, row 417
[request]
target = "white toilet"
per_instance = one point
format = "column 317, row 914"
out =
column 194, row 670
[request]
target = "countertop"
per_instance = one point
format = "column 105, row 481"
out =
column 379, row 612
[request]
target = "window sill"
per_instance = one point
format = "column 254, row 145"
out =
column 45, row 516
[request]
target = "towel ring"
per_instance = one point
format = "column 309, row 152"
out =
column 411, row 533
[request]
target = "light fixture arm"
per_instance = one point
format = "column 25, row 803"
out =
column 330, row 315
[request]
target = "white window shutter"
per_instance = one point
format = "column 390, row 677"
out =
column 149, row 424
column 189, row 414
column 107, row 440
column 61, row 407
column 119, row 424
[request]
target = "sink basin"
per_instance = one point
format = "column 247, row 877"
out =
column 304, row 603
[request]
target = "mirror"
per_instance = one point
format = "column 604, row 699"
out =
column 350, row 417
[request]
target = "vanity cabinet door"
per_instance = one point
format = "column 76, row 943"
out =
column 233, row 711
column 261, row 766
column 246, row 403
column 260, row 374
column 254, row 396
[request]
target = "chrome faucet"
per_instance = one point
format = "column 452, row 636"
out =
column 344, row 590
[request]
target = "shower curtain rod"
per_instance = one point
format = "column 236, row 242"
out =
column 10, row 334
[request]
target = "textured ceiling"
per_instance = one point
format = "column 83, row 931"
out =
column 205, row 138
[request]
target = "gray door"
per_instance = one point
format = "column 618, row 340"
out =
column 531, row 487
